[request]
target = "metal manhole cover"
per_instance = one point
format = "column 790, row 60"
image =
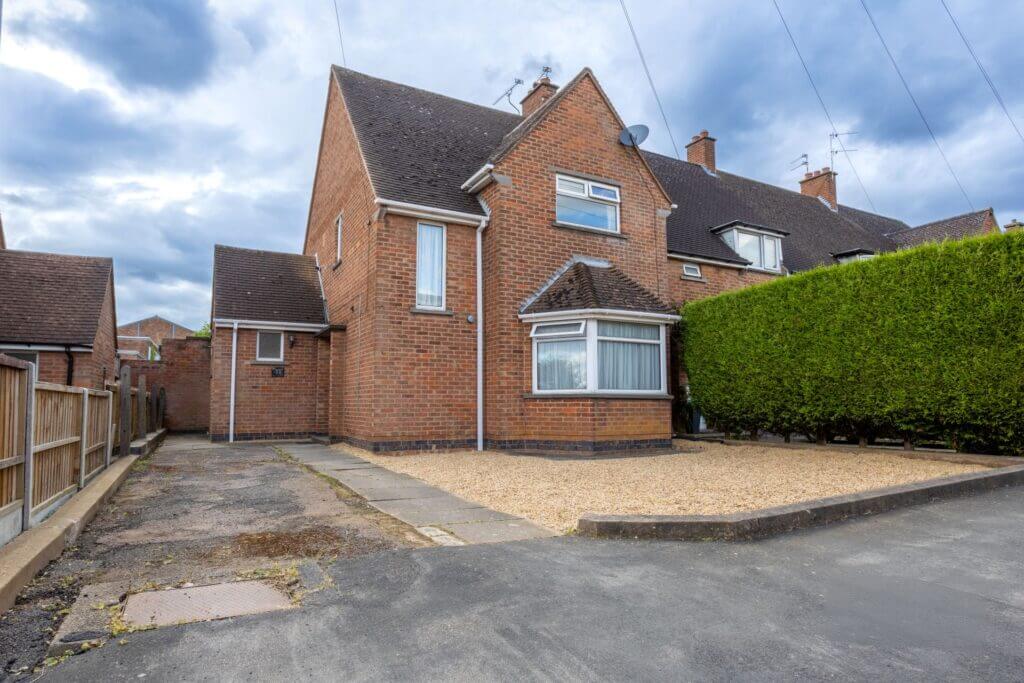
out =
column 202, row 603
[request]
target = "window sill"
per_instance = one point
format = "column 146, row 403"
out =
column 267, row 362
column 431, row 311
column 694, row 279
column 599, row 394
column 766, row 271
column 592, row 231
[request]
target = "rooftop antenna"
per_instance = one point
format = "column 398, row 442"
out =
column 800, row 161
column 833, row 140
column 545, row 72
column 507, row 94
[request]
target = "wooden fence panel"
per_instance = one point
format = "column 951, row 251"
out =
column 57, row 441
column 97, row 432
column 12, row 432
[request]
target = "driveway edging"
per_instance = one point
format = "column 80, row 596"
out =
column 31, row 551
column 778, row 520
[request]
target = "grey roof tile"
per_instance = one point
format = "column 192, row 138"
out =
column 957, row 227
column 271, row 286
column 584, row 286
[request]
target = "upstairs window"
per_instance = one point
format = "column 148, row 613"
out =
column 762, row 250
column 430, row 266
column 270, row 346
column 586, row 204
column 850, row 258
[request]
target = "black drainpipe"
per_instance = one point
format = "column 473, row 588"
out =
column 71, row 363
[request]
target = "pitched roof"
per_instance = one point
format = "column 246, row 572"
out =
column 957, row 227
column 420, row 146
column 706, row 201
column 587, row 286
column 271, row 286
column 155, row 317
column 51, row 298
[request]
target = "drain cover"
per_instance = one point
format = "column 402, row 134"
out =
column 202, row 603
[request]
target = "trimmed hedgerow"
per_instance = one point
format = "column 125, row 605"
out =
column 922, row 343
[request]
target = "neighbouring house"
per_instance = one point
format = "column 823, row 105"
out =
column 142, row 339
column 58, row 311
column 472, row 277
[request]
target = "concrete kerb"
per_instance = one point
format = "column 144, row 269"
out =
column 147, row 445
column 778, row 520
column 30, row 552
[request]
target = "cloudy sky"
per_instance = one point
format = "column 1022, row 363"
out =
column 149, row 131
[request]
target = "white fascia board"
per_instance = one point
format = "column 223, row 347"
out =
column 430, row 212
column 480, row 178
column 712, row 262
column 77, row 348
column 604, row 313
column 272, row 325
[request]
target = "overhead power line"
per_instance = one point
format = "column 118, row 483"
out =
column 995, row 91
column 917, row 106
column 821, row 101
column 341, row 43
column 650, row 80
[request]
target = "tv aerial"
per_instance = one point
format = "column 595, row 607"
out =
column 633, row 136
column 800, row 161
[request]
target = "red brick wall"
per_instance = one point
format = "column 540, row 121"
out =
column 184, row 372
column 522, row 249
column 714, row 280
column 127, row 344
column 156, row 329
column 265, row 406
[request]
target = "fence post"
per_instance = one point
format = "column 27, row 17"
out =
column 141, row 403
column 27, row 468
column 124, row 393
column 110, row 428
column 84, row 443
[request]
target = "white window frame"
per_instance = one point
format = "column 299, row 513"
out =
column 694, row 270
column 264, row 359
column 588, row 194
column 762, row 240
column 444, row 267
column 588, row 332
column 855, row 257
column 338, row 224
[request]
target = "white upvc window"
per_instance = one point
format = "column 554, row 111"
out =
column 850, row 258
column 269, row 346
column 691, row 270
column 431, row 247
column 599, row 356
column 338, row 226
column 586, row 204
column 763, row 250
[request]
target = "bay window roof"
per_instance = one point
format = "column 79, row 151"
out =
column 587, row 286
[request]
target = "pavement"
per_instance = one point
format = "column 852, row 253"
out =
column 437, row 514
column 926, row 593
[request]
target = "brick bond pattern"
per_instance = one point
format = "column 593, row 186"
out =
column 184, row 372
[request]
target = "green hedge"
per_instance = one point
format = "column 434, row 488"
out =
column 927, row 342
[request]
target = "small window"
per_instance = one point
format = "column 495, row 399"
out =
column 557, row 329
column 338, row 225
column 430, row 266
column 270, row 346
column 586, row 204
column 691, row 270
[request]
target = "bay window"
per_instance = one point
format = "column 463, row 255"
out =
column 586, row 204
column 599, row 356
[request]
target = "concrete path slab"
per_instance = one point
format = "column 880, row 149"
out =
column 202, row 603
column 416, row 502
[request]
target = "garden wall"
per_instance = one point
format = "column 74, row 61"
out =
column 184, row 372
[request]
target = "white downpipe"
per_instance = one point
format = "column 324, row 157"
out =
column 231, row 402
column 480, row 335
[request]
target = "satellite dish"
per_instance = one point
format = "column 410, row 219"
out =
column 634, row 135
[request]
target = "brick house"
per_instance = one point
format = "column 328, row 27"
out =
column 494, row 280
column 142, row 339
column 58, row 312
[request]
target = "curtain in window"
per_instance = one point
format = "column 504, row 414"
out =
column 430, row 266
column 608, row 328
column 628, row 366
column 562, row 365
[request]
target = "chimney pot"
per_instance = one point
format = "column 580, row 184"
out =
column 701, row 150
column 542, row 91
column 821, row 184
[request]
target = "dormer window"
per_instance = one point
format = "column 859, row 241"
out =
column 854, row 255
column 761, row 246
column 587, row 204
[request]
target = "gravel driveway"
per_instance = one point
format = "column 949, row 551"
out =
column 704, row 479
column 199, row 512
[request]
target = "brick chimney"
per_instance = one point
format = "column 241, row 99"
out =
column 821, row 184
column 701, row 150
column 542, row 91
